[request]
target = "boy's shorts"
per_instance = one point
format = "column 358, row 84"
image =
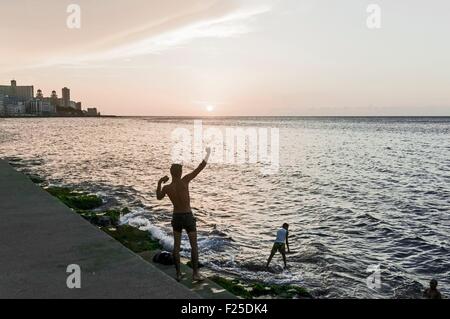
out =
column 279, row 247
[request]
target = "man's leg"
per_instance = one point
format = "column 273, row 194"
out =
column 176, row 252
column 272, row 253
column 194, row 255
column 283, row 253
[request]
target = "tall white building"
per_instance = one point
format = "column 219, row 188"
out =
column 66, row 97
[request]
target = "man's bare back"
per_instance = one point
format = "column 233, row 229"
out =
column 178, row 191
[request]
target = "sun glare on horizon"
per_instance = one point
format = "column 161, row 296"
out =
column 210, row 108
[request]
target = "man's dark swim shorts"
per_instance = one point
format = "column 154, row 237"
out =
column 182, row 221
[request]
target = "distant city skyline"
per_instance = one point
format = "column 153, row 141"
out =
column 21, row 100
column 234, row 57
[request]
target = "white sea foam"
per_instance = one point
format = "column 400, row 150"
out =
column 136, row 219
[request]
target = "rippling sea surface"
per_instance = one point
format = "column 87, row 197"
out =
column 357, row 192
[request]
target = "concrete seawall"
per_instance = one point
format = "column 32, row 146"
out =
column 40, row 237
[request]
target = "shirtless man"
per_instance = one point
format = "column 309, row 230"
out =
column 178, row 192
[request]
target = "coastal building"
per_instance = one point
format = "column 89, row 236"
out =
column 72, row 104
column 39, row 94
column 92, row 111
column 2, row 107
column 17, row 100
column 11, row 100
column 54, row 99
column 66, row 97
column 40, row 107
column 22, row 93
column 48, row 109
column 15, row 109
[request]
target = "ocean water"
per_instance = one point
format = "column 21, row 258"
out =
column 357, row 192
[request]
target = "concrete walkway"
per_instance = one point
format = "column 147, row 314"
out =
column 40, row 237
column 205, row 289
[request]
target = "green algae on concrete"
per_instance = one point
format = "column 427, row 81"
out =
column 133, row 238
column 113, row 215
column 255, row 290
column 75, row 200
column 233, row 286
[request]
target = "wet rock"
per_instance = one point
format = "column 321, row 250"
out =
column 104, row 221
column 37, row 179
column 106, row 218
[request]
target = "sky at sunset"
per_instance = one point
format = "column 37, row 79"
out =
column 233, row 57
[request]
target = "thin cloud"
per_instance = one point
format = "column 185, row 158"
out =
column 230, row 25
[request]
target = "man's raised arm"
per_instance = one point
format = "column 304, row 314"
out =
column 160, row 193
column 189, row 177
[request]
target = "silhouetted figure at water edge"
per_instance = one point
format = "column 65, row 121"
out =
column 432, row 292
column 178, row 192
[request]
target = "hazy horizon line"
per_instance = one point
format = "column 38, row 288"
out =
column 267, row 116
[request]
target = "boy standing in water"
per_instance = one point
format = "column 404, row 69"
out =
column 178, row 192
column 279, row 244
